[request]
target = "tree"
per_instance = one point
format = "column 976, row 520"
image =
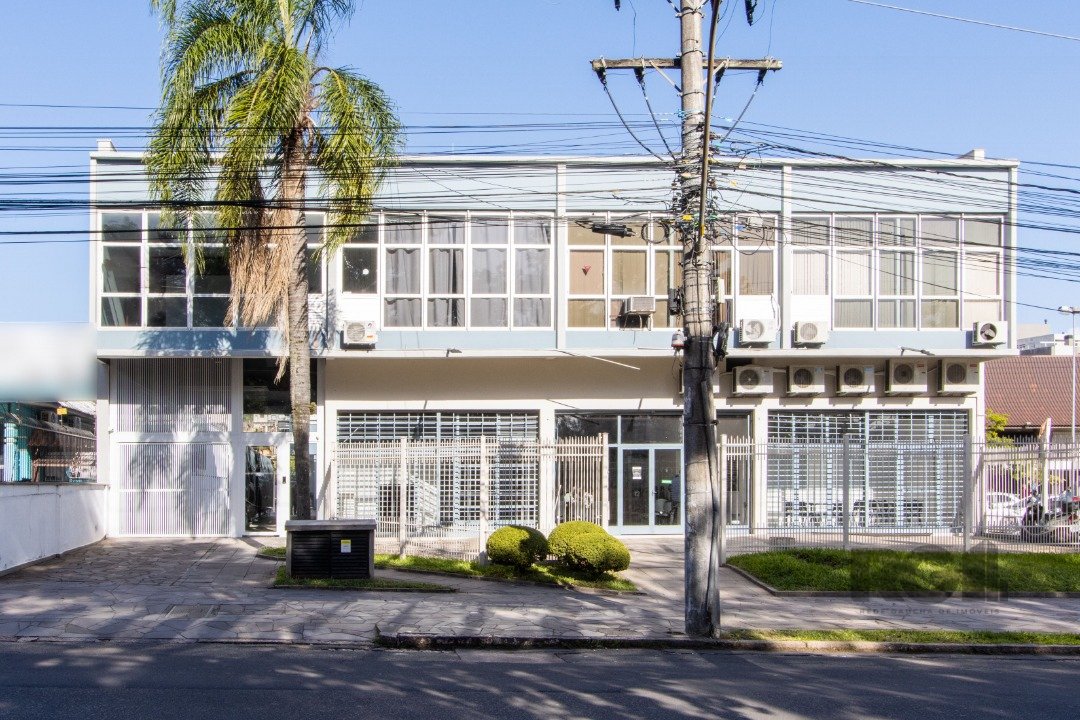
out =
column 995, row 429
column 246, row 105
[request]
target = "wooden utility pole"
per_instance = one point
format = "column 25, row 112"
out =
column 700, row 469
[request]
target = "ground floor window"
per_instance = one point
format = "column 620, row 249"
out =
column 357, row 426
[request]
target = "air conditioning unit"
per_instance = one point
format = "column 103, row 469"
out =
column 811, row 332
column 855, row 380
column 757, row 332
column 959, row 377
column 806, row 380
column 907, row 377
column 359, row 334
column 990, row 333
column 752, row 380
column 639, row 305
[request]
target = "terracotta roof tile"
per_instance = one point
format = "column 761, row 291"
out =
column 1030, row 388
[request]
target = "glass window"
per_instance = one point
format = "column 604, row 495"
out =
column 854, row 232
column 529, row 231
column 314, row 271
column 358, row 269
column 981, row 311
column 982, row 231
column 121, row 311
column 402, row 271
column 587, row 313
column 587, row 272
column 121, row 227
column 489, row 271
column 446, row 312
column 669, row 270
column 210, row 312
column 365, row 235
column 651, row 429
column 811, row 273
column 166, row 312
column 940, row 232
column 854, row 314
column 447, row 271
column 756, row 273
column 488, row 312
column 628, row 272
column 447, row 232
column 853, row 273
column 214, row 278
column 120, row 269
column 982, row 275
column 896, row 313
column 810, row 231
column 490, row 230
column 403, row 312
column 314, row 227
column 896, row 274
column 939, row 273
column 532, row 312
column 940, row 313
column 755, row 231
column 579, row 231
column 897, row 232
column 531, row 269
column 168, row 271
column 159, row 234
column 402, row 230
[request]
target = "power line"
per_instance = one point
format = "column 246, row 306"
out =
column 968, row 20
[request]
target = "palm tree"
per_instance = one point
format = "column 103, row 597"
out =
column 247, row 105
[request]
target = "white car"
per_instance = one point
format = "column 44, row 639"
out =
column 1002, row 514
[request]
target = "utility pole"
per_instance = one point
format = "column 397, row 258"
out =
column 700, row 469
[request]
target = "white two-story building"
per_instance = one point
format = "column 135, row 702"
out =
column 528, row 297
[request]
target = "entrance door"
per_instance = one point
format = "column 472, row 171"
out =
column 266, row 487
column 651, row 490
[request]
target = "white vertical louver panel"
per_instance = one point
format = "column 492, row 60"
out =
column 162, row 395
column 169, row 489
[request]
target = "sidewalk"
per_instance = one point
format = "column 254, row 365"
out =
column 219, row 590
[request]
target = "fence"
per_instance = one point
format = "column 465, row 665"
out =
column 903, row 495
column 444, row 497
column 47, row 452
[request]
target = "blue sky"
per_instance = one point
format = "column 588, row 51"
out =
column 850, row 69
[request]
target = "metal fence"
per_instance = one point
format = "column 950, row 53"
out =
column 949, row 495
column 444, row 497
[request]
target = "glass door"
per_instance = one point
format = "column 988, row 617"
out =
column 651, row 489
column 266, row 485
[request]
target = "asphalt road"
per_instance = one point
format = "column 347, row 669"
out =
column 160, row 681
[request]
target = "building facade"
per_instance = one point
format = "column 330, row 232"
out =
column 528, row 297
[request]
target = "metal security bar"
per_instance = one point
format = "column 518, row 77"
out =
column 445, row 497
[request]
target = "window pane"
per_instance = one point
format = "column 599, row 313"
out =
column 121, row 312
column 756, row 274
column 810, row 231
column 402, row 230
column 168, row 272
column 854, row 232
column 206, row 229
column 897, row 231
column 160, row 234
column 811, row 273
column 982, row 276
column 755, row 230
column 896, row 274
column 365, row 235
column 853, row 273
column 446, row 271
column 446, row 312
column 636, row 238
column 721, row 268
column 940, row 231
column 488, row 312
column 490, row 230
column 214, row 277
column 662, row 280
column 532, row 312
column 940, row 313
column 587, row 313
column 982, row 231
column 314, row 227
column 981, row 311
column 166, row 312
column 628, row 273
column 314, row 271
column 210, row 312
column 854, row 314
column 896, row 314
column 120, row 269
column 489, row 272
column 531, row 270
column 939, row 273
column 651, row 429
column 358, row 270
column 587, row 272
column 532, row 231
column 403, row 312
column 447, row 232
column 580, row 231
column 121, row 227
column 402, row 271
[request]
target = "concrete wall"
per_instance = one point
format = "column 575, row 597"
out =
column 40, row 520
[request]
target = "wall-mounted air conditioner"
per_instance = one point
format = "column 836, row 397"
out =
column 752, row 380
column 359, row 334
column 639, row 305
column 907, row 377
column 990, row 333
column 855, row 380
column 806, row 380
column 757, row 331
column 811, row 332
column 959, row 377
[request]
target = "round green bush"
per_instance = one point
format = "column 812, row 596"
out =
column 587, row 546
column 517, row 546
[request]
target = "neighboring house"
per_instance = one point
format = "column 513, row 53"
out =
column 48, row 442
column 500, row 296
column 1041, row 340
column 1028, row 390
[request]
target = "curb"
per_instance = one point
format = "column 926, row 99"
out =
column 407, row 641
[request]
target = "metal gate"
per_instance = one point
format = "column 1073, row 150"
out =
column 581, row 474
column 174, row 488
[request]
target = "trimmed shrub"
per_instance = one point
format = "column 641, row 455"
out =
column 516, row 546
column 588, row 547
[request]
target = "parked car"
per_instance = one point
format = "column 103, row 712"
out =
column 1002, row 513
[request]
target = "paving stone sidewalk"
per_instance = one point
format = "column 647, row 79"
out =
column 219, row 590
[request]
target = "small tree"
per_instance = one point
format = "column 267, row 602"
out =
column 995, row 429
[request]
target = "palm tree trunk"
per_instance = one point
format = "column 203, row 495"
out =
column 293, row 191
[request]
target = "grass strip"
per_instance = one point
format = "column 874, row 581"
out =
column 273, row 553
column 544, row 573
column 826, row 569
column 951, row 637
column 377, row 583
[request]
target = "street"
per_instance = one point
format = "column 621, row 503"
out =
column 194, row 680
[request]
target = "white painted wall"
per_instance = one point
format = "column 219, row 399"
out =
column 46, row 519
